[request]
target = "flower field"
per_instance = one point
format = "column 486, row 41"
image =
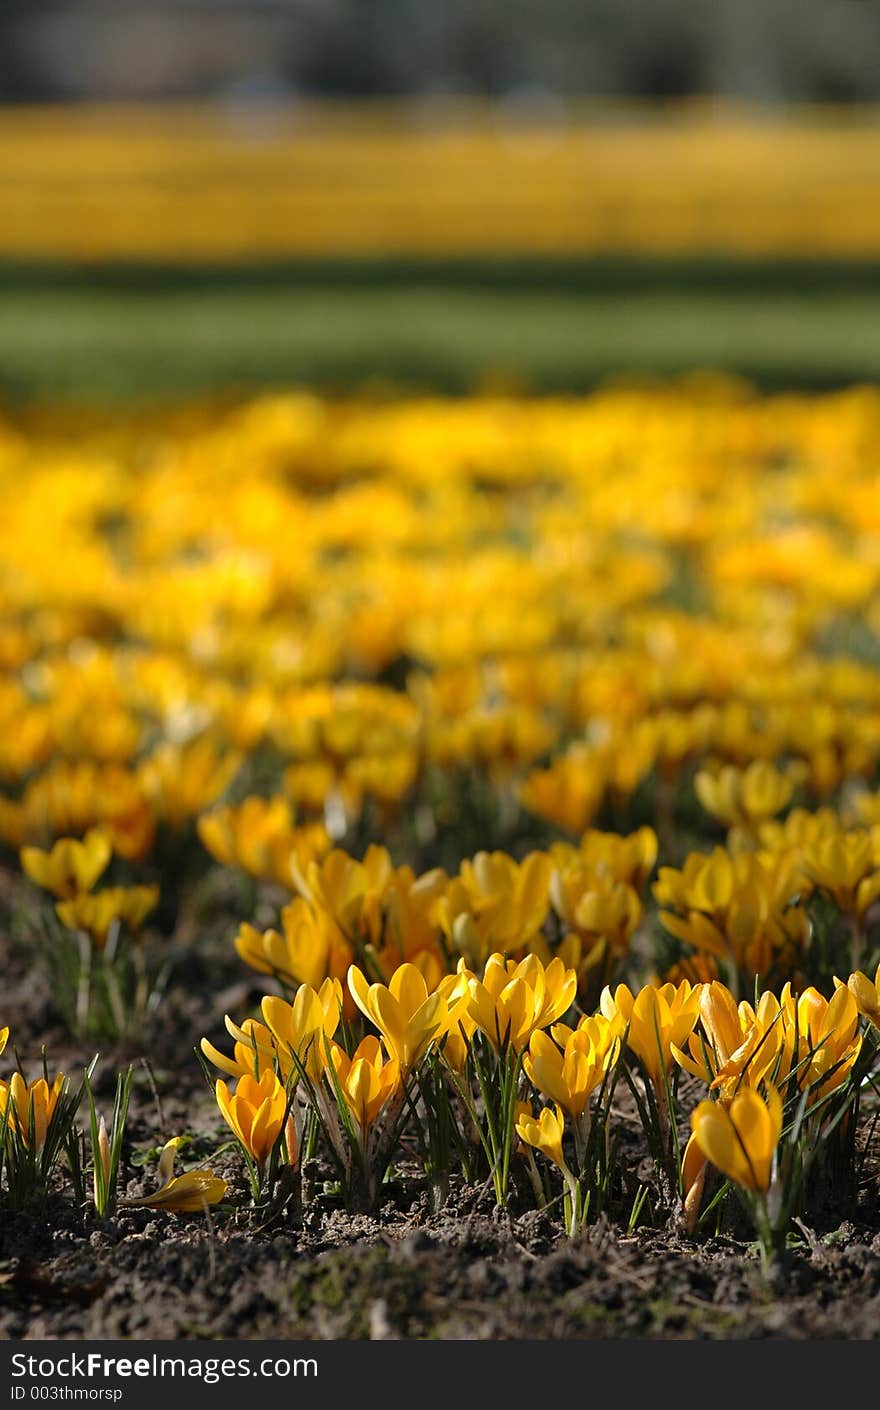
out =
column 441, row 864
column 448, row 178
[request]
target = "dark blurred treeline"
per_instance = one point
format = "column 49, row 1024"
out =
column 537, row 50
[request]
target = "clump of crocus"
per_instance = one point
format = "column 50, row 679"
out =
column 116, row 991
column 512, row 1001
column 260, row 836
column 659, row 1019
column 734, row 1043
column 94, row 984
column 571, row 1065
column 301, row 1030
column 418, row 1023
column 843, row 865
column 36, row 1125
column 294, row 1043
column 98, row 912
column 100, row 987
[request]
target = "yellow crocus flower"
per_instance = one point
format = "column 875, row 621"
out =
column 513, row 1000
column 71, row 866
column 254, row 1050
column 182, row 780
column 259, row 835
column 30, row 1102
column 740, row 1043
column 744, row 798
column 309, row 949
column 545, row 1135
column 347, row 892
column 94, row 912
column 603, row 913
column 741, row 1138
column 660, row 1018
column 184, row 1194
column 407, row 1016
column 255, row 1113
column 569, row 1069
column 828, row 1030
column 865, row 993
column 368, row 1079
column 301, row 1027
column 628, row 859
column 843, row 865
column 495, row 902
column 461, row 1027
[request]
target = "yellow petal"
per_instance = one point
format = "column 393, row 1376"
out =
column 186, row 1194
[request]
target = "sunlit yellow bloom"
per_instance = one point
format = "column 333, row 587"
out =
column 347, row 890
column 739, row 1044
column 744, row 797
column 254, row 1051
column 411, row 931
column 845, row 866
column 820, row 1038
column 30, row 1104
column 181, row 781
column 628, row 859
column 545, row 1134
column 513, row 1000
column 741, row 1138
column 255, row 1113
column 601, row 913
column 300, row 1028
column 259, row 836
column 95, row 912
column 571, row 1075
column 407, row 1016
column 386, row 777
column 461, row 1026
column 368, row 1079
column 71, row 796
column 569, row 791
column 183, row 1194
column 71, row 866
column 660, row 1018
column 865, row 993
column 740, row 909
column 307, row 950
column 4, row 1038
column 495, row 904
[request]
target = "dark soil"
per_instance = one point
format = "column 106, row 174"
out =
column 465, row 1272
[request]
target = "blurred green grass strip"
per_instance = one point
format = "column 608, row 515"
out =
column 112, row 332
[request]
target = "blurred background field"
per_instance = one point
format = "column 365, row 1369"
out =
column 197, row 195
